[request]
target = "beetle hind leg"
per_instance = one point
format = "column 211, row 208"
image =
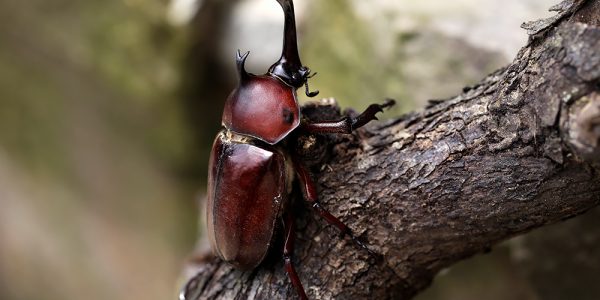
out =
column 288, row 252
column 311, row 196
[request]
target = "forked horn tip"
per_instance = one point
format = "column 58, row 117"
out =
column 241, row 61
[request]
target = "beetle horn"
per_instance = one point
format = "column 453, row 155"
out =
column 240, row 61
column 289, row 68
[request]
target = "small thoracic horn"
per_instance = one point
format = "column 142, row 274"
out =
column 289, row 68
column 240, row 61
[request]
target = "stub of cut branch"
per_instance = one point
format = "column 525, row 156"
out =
column 517, row 151
column 584, row 128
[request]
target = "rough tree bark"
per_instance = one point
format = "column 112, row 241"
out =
column 517, row 151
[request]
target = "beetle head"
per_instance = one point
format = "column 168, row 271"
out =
column 289, row 68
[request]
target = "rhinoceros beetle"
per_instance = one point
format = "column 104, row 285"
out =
column 251, row 169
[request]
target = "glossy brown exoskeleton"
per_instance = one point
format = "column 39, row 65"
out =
column 250, row 169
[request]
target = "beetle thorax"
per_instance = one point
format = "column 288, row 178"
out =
column 262, row 107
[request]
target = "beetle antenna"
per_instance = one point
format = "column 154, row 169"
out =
column 308, row 93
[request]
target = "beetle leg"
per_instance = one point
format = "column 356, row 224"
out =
column 288, row 252
column 348, row 124
column 311, row 196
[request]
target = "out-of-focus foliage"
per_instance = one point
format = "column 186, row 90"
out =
column 344, row 51
column 491, row 276
column 91, row 139
column 360, row 60
column 125, row 52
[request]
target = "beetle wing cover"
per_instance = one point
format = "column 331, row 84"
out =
column 246, row 190
column 262, row 107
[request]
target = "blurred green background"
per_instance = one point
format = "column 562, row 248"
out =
column 108, row 109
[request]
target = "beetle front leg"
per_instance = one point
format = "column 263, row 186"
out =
column 288, row 252
column 311, row 196
column 348, row 124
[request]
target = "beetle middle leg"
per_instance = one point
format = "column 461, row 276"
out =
column 310, row 195
column 288, row 252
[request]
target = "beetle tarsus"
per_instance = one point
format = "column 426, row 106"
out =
column 348, row 123
column 343, row 228
column 372, row 253
column 369, row 113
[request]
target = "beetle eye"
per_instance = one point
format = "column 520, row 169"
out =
column 288, row 116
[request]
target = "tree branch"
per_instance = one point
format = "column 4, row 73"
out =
column 517, row 151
